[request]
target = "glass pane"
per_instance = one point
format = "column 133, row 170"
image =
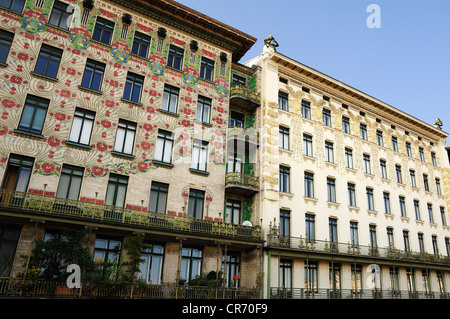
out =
column 165, row 101
column 27, row 115
column 41, row 63
column 38, row 121
column 129, row 141
column 75, row 188
column 86, row 133
column 101, row 243
column 52, row 68
column 23, row 178
column 173, row 103
column 159, row 149
column 63, row 186
column 136, row 92
column 155, row 272
column 120, row 139
column 85, row 82
column 120, row 197
column 75, row 130
column 127, row 90
column 168, row 151
column 143, row 267
column 110, row 194
column 162, row 201
column 97, row 80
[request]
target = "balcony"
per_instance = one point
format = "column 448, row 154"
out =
column 20, row 204
column 244, row 97
column 245, row 139
column 241, row 184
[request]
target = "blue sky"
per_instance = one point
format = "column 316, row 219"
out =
column 404, row 63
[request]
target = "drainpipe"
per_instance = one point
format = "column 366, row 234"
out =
column 268, row 273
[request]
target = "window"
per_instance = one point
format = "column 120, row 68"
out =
column 61, row 17
column 283, row 137
column 438, row 186
column 306, row 109
column 408, row 149
column 285, row 274
column 199, row 155
column 203, row 109
column 406, row 240
column 394, row 144
column 283, row 101
column 383, row 168
column 126, row 132
column 83, row 121
column 421, row 244
column 331, row 189
column 380, row 138
column 150, row 268
column 206, row 69
column 9, row 238
column 176, row 57
column 370, row 202
column 311, row 279
column 107, row 249
column 141, row 44
column 401, row 200
column 398, row 172
column 346, row 125
column 14, row 5
column 310, row 227
column 354, row 233
column 356, row 276
column 237, row 119
column 117, row 190
column 33, row 115
column 233, row 266
column 285, row 221
column 238, row 80
column 425, row 183
column 48, row 61
column 93, row 75
column 351, row 194
column 307, row 145
column 309, row 184
column 430, row 212
column 6, row 39
column 103, row 31
column 390, row 237
column 363, row 131
column 421, row 154
column 326, row 117
column 366, row 159
column 18, row 172
column 170, row 98
column 417, row 209
column 332, row 224
column 412, row 174
column 433, row 159
column 133, row 87
column 233, row 211
column 387, row 203
column 329, row 152
column 196, row 200
column 164, row 144
column 70, row 182
column 435, row 245
column 284, row 179
column 444, row 219
column 348, row 158
column 234, row 164
column 158, row 197
column 191, row 263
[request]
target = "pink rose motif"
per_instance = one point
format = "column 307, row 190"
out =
column 48, row 168
column 106, row 124
column 16, row 79
column 53, row 141
column 145, row 145
column 97, row 170
column 102, row 146
column 8, row 103
column 60, row 116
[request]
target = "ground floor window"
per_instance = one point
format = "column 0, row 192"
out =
column 150, row 269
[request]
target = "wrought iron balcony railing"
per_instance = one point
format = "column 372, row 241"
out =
column 235, row 178
column 245, row 96
column 41, row 204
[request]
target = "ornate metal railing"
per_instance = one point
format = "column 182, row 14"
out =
column 41, row 204
column 32, row 288
column 301, row 293
column 242, row 179
column 246, row 93
column 303, row 244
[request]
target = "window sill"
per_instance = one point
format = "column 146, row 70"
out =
column 28, row 134
column 196, row 171
column 203, row 123
column 75, row 144
column 132, row 102
column 90, row 90
column 44, row 77
column 168, row 113
column 128, row 156
column 3, row 65
column 164, row 164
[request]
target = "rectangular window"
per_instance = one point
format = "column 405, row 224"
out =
column 310, row 227
column 408, row 149
column 70, row 182
column 117, row 190
column 83, row 121
column 406, row 240
column 48, row 61
column 285, row 222
column 435, row 245
column 366, row 159
column 421, row 154
column 348, row 158
column 33, row 115
column 164, row 144
column 150, row 268
column 170, row 99
column 390, row 237
column 438, row 186
column 311, row 279
column 18, row 173
column 238, row 80
column 233, row 268
column 345, row 125
column 329, row 152
column 394, row 144
column 417, row 209
column 158, row 197
column 234, row 164
column 285, row 274
column 351, row 194
column 398, row 172
column 103, row 31
column 425, row 183
column 380, row 138
column 93, row 75
column 430, row 212
column 306, row 109
column 387, row 203
column 331, row 189
column 309, row 184
column 363, row 131
column 203, row 109
column 141, row 44
column 421, row 244
column 196, row 201
column 354, row 233
column 206, row 69
column 370, row 202
column 233, row 211
column 176, row 57
column 284, row 179
column 444, row 219
column 237, row 119
column 332, row 223
column 9, row 238
column 199, row 155
column 412, row 174
column 133, row 87
column 283, row 137
column 401, row 200
column 6, row 39
column 60, row 16
column 326, row 117
column 125, row 135
column 191, row 263
column 14, row 5
column 307, row 145
column 283, row 101
column 383, row 169
column 107, row 249
column 433, row 159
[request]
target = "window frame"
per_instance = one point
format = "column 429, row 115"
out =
column 36, row 103
column 95, row 68
column 138, row 40
column 71, row 172
column 170, row 92
column 284, row 176
column 133, row 82
column 283, row 101
column 308, row 145
column 6, row 41
column 50, row 55
column 202, row 104
column 158, row 189
column 283, row 137
column 196, row 197
column 201, row 147
column 175, row 57
column 84, row 115
column 125, row 126
column 60, row 8
column 102, row 25
column 207, row 69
